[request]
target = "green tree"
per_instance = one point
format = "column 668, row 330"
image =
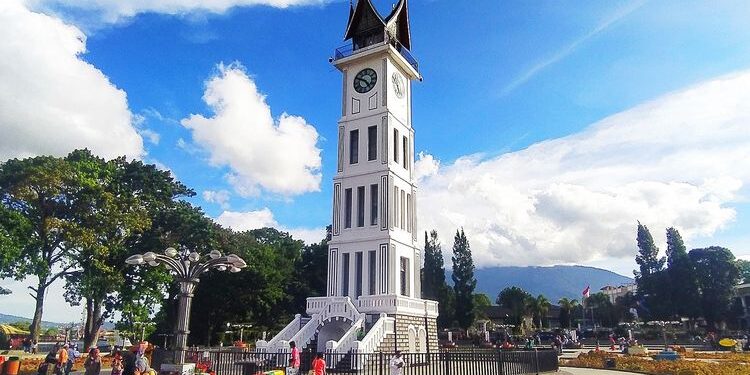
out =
column 603, row 309
column 648, row 254
column 434, row 286
column 717, row 274
column 464, row 282
column 539, row 307
column 682, row 277
column 310, row 278
column 567, row 306
column 653, row 284
column 225, row 297
column 481, row 303
column 39, row 195
column 516, row 300
column 116, row 201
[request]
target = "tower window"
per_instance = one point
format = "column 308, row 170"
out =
column 358, row 273
column 348, row 208
column 403, row 209
column 361, row 206
column 374, row 204
column 372, row 143
column 404, row 276
column 354, row 146
column 406, row 152
column 345, row 274
column 371, row 277
column 395, row 145
column 395, row 207
column 408, row 213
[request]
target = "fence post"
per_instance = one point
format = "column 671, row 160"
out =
column 380, row 363
column 447, row 363
column 536, row 357
column 500, row 362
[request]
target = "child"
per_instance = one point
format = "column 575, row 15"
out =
column 319, row 365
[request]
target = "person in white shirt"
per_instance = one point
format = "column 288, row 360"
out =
column 397, row 364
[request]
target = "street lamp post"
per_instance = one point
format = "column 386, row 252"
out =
column 241, row 326
column 143, row 326
column 187, row 267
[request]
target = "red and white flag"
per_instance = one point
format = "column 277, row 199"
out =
column 587, row 291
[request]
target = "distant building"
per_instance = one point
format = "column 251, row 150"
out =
column 614, row 292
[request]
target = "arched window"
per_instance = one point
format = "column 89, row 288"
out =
column 412, row 339
column 422, row 336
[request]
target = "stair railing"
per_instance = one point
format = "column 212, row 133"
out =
column 384, row 326
column 284, row 335
column 339, row 348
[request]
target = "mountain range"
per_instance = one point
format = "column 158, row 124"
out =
column 553, row 282
column 5, row 319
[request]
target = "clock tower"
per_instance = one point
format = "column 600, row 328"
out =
column 374, row 262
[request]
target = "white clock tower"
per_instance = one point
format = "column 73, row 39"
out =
column 373, row 260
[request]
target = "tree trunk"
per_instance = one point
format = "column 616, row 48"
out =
column 92, row 324
column 36, row 323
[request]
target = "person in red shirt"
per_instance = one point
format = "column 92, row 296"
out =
column 294, row 361
column 319, row 365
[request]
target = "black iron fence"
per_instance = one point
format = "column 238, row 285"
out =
column 452, row 362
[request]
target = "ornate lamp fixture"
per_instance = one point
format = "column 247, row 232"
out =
column 187, row 267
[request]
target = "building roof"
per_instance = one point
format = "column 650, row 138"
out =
column 8, row 330
column 363, row 17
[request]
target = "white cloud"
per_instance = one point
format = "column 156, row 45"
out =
column 248, row 220
column 220, row 197
column 113, row 11
column 681, row 160
column 425, row 166
column 150, row 135
column 278, row 156
column 52, row 101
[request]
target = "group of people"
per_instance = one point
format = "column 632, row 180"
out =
column 318, row 365
column 60, row 360
column 30, row 345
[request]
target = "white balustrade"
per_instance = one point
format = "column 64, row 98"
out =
column 397, row 304
column 346, row 342
column 307, row 332
column 384, row 326
column 283, row 335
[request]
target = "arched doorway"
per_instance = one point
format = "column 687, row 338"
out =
column 332, row 329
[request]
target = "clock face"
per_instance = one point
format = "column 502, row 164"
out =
column 399, row 88
column 365, row 80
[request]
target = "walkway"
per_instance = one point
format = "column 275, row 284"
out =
column 591, row 371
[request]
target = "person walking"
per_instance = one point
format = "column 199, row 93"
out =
column 294, row 361
column 397, row 364
column 73, row 354
column 62, row 359
column 319, row 365
column 93, row 364
column 117, row 365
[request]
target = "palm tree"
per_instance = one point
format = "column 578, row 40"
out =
column 539, row 307
column 567, row 306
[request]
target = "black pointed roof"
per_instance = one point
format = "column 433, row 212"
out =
column 365, row 18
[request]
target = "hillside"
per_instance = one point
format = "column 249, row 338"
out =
column 554, row 282
column 5, row 318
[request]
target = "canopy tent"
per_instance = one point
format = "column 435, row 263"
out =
column 8, row 330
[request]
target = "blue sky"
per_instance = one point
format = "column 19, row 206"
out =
column 520, row 100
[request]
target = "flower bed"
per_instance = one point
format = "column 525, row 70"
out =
column 29, row 366
column 729, row 365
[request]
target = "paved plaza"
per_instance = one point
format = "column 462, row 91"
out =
column 591, row 371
